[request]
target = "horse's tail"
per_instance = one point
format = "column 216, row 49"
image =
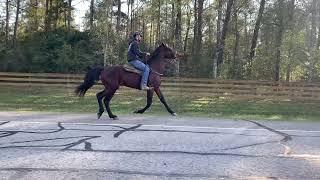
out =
column 89, row 80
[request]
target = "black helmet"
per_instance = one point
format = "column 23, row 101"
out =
column 136, row 34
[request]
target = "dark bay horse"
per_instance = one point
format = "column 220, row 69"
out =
column 112, row 77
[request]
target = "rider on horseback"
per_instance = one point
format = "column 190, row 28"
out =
column 134, row 55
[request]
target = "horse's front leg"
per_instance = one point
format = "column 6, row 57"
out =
column 162, row 99
column 149, row 102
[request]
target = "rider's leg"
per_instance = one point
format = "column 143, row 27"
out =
column 145, row 75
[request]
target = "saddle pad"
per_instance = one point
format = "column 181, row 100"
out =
column 130, row 68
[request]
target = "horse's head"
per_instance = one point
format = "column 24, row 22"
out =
column 168, row 52
column 162, row 56
column 164, row 53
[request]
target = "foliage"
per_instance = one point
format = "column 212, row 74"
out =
column 45, row 43
column 54, row 51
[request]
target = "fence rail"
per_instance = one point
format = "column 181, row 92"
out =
column 246, row 90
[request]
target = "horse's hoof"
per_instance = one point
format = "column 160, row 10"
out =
column 138, row 112
column 99, row 115
column 115, row 118
column 174, row 114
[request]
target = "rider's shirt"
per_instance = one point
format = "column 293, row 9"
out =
column 134, row 52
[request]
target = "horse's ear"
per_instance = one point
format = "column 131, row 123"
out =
column 162, row 44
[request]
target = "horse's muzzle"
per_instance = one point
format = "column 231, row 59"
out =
column 178, row 55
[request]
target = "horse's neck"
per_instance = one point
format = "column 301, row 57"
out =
column 157, row 65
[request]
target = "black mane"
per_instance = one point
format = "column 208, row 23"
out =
column 154, row 54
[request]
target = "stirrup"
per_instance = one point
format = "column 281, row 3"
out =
column 146, row 88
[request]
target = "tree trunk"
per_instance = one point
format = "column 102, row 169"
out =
column 56, row 13
column 7, row 23
column 131, row 16
column 69, row 15
column 46, row 19
column 128, row 20
column 143, row 25
column 91, row 13
column 235, row 65
column 195, row 12
column 65, row 19
column 172, row 22
column 279, row 37
column 224, row 31
column 199, row 28
column 313, row 38
column 151, row 36
column 178, row 39
column 16, row 24
column 50, row 14
column 36, row 24
column 119, row 16
column 288, row 71
column 291, row 34
column 158, row 21
column 105, row 54
column 187, row 31
column 318, row 43
column 218, row 36
column 255, row 36
column 105, row 45
column 166, row 21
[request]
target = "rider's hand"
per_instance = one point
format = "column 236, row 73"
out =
column 148, row 54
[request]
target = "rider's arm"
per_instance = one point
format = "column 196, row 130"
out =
column 136, row 50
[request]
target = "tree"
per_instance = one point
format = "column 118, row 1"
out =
column 69, row 15
column 235, row 65
column 273, row 39
column 187, row 30
column 16, row 24
column 195, row 32
column 118, row 15
column 47, row 17
column 198, row 27
column 178, row 38
column 7, row 23
column 158, row 35
column 255, row 36
column 291, row 35
column 318, row 43
column 218, row 39
column 224, row 32
column 279, row 36
column 92, row 13
column 312, row 41
column 173, row 10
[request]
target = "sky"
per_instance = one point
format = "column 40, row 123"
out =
column 81, row 7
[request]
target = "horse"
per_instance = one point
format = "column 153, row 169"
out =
column 112, row 77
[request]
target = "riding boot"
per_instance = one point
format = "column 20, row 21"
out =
column 146, row 88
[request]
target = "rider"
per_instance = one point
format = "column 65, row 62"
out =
column 134, row 55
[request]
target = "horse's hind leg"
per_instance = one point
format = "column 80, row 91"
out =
column 100, row 95
column 149, row 102
column 107, row 99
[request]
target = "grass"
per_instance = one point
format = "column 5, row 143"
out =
column 63, row 100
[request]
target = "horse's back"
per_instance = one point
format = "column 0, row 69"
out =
column 117, row 76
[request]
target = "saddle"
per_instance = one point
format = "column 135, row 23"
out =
column 130, row 68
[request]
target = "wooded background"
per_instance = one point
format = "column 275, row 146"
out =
column 225, row 39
